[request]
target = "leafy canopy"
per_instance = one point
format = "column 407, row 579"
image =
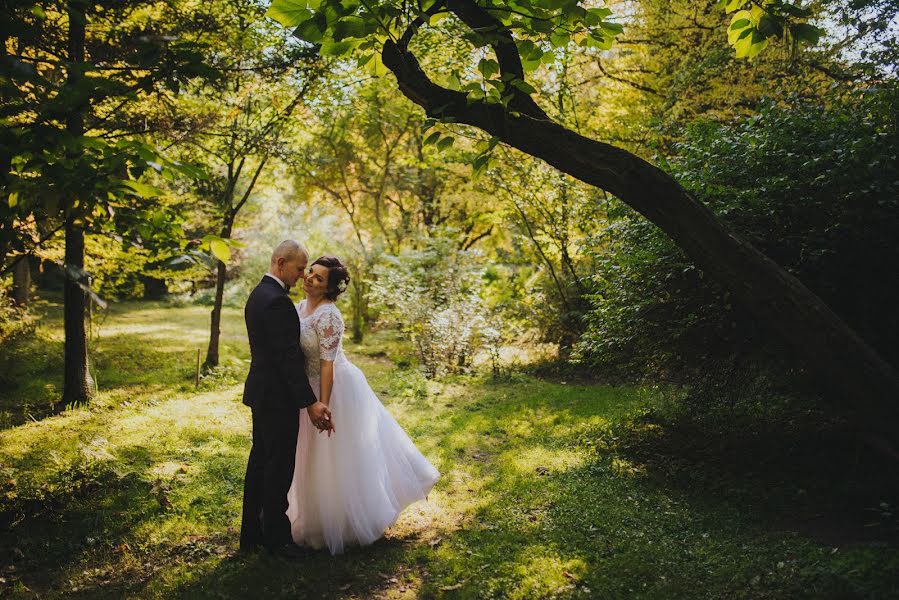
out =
column 360, row 27
column 344, row 27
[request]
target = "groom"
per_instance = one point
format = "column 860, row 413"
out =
column 276, row 390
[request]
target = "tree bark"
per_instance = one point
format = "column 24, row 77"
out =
column 215, row 329
column 21, row 282
column 358, row 310
column 77, row 384
column 215, row 322
column 847, row 364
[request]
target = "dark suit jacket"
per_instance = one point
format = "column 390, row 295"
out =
column 277, row 378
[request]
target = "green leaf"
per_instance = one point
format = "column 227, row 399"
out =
column 445, row 143
column 432, row 139
column 475, row 95
column 436, row 18
column 349, row 27
column 291, row 12
column 750, row 45
column 559, row 38
column 769, row 26
column 530, row 65
column 479, row 165
column 488, row 67
column 597, row 13
column 597, row 40
column 485, row 146
column 142, row 189
column 13, row 199
column 189, row 170
column 524, row 86
column 497, row 85
column 337, row 48
column 376, row 66
column 38, row 12
column 531, row 54
column 452, row 82
column 612, row 29
column 806, row 33
column 732, row 5
column 220, row 250
column 740, row 23
column 312, row 30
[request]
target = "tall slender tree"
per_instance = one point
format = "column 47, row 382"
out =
column 77, row 383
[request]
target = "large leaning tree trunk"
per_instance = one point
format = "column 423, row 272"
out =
column 867, row 383
column 77, row 383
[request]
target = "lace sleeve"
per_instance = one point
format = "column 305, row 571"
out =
column 329, row 327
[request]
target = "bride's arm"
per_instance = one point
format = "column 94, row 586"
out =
column 327, row 381
column 329, row 327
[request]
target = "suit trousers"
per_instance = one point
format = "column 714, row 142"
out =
column 269, row 475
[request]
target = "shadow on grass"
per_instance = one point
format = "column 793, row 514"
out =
column 800, row 473
column 58, row 535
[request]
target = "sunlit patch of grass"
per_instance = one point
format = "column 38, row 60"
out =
column 542, row 460
column 540, row 572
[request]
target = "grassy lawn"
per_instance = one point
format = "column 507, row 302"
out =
column 139, row 494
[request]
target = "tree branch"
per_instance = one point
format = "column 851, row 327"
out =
column 252, row 184
column 481, row 21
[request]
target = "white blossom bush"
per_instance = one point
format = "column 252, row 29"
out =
column 433, row 295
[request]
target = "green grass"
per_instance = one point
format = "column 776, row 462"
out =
column 545, row 490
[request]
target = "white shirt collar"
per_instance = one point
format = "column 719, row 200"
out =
column 276, row 279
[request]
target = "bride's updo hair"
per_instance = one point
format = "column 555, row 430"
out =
column 338, row 276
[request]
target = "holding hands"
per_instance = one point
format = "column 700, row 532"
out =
column 320, row 415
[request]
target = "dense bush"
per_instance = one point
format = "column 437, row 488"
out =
column 813, row 185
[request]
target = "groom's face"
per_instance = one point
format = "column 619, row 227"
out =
column 292, row 270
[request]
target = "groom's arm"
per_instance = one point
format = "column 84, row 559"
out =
column 282, row 335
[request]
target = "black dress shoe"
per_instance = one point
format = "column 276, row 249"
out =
column 291, row 551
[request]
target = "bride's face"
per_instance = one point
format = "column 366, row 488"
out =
column 315, row 283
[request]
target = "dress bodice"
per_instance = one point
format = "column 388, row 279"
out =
column 320, row 337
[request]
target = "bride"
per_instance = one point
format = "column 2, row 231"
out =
column 350, row 485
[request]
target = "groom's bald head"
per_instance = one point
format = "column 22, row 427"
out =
column 289, row 261
column 289, row 250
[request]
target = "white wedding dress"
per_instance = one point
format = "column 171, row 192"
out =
column 349, row 488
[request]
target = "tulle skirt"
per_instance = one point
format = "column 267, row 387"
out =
column 349, row 488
